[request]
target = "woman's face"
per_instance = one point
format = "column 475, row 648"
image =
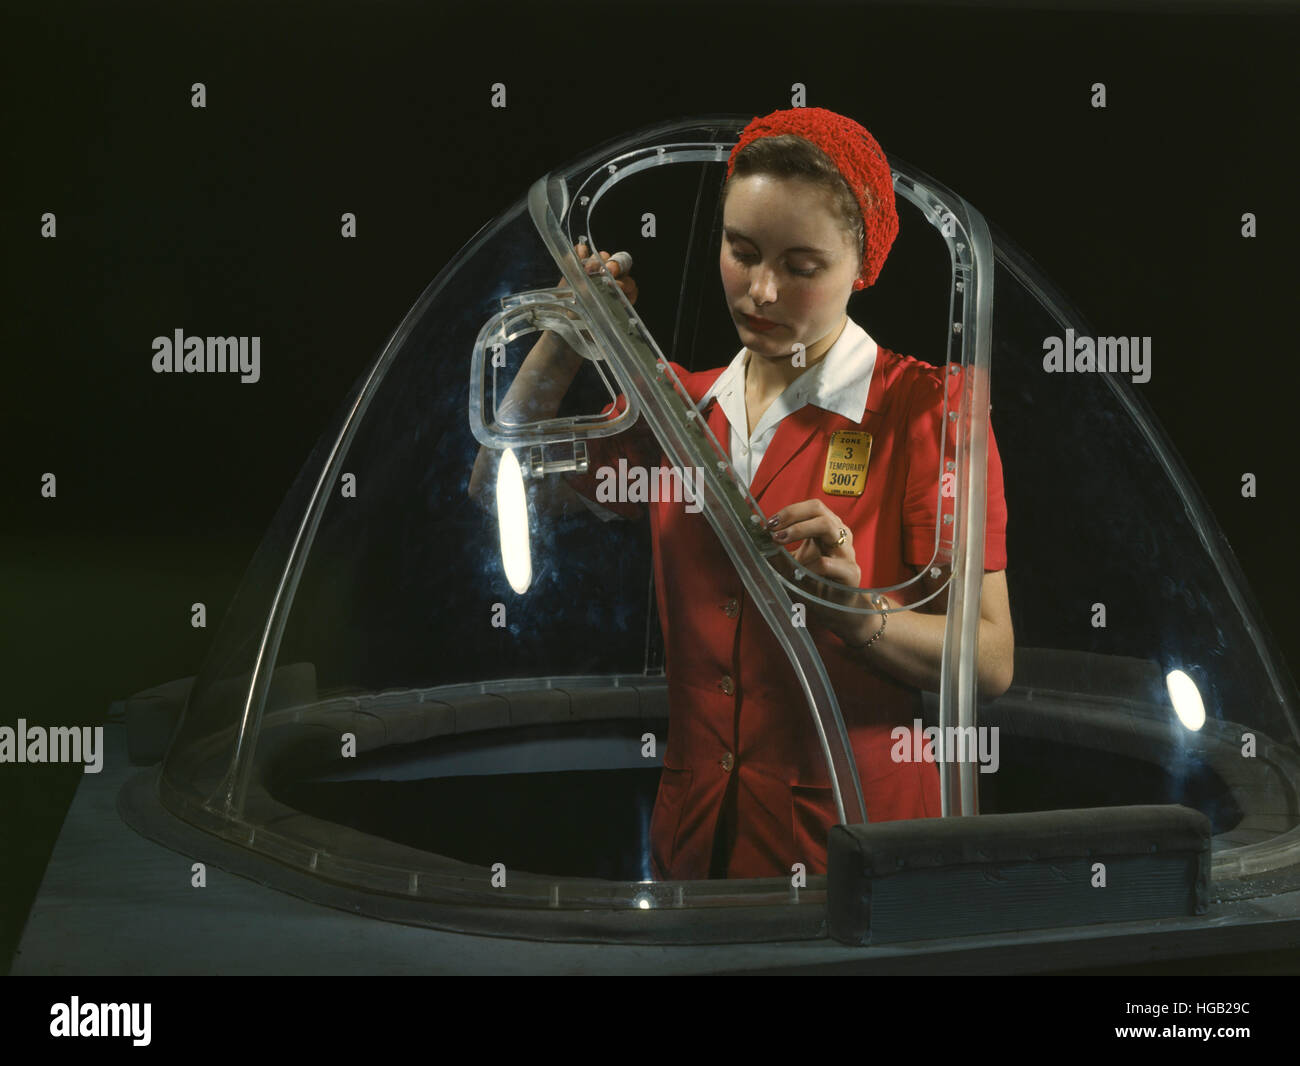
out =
column 788, row 263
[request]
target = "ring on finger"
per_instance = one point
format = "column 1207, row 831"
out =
column 844, row 533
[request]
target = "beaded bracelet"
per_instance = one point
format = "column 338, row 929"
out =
column 884, row 620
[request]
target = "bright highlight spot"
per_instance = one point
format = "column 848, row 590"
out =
column 512, row 521
column 1186, row 698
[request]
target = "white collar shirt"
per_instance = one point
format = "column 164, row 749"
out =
column 839, row 382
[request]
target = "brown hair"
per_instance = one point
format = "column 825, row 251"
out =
column 790, row 156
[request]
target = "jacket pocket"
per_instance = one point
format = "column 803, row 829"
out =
column 902, row 791
column 666, row 819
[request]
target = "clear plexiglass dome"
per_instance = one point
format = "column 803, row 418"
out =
column 435, row 713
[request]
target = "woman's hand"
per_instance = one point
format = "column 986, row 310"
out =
column 825, row 548
column 592, row 265
column 912, row 652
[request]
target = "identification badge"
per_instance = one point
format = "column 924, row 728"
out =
column 846, row 463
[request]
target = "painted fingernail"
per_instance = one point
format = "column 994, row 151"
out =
column 780, row 536
column 773, row 522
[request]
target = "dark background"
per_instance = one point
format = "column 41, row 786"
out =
column 226, row 221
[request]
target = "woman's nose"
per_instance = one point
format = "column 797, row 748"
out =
column 762, row 285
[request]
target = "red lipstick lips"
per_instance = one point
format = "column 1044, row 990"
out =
column 760, row 325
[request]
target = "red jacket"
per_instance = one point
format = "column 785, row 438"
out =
column 744, row 790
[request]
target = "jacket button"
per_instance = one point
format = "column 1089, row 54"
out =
column 727, row 686
column 728, row 761
column 731, row 608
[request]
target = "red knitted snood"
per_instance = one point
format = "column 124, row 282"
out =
column 861, row 162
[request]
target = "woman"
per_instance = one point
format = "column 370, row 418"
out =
column 808, row 218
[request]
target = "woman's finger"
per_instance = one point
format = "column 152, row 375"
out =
column 614, row 264
column 617, row 264
column 824, row 529
column 839, row 568
column 796, row 514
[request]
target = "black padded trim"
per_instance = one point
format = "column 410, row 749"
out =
column 886, row 847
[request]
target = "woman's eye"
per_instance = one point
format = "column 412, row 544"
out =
column 751, row 257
